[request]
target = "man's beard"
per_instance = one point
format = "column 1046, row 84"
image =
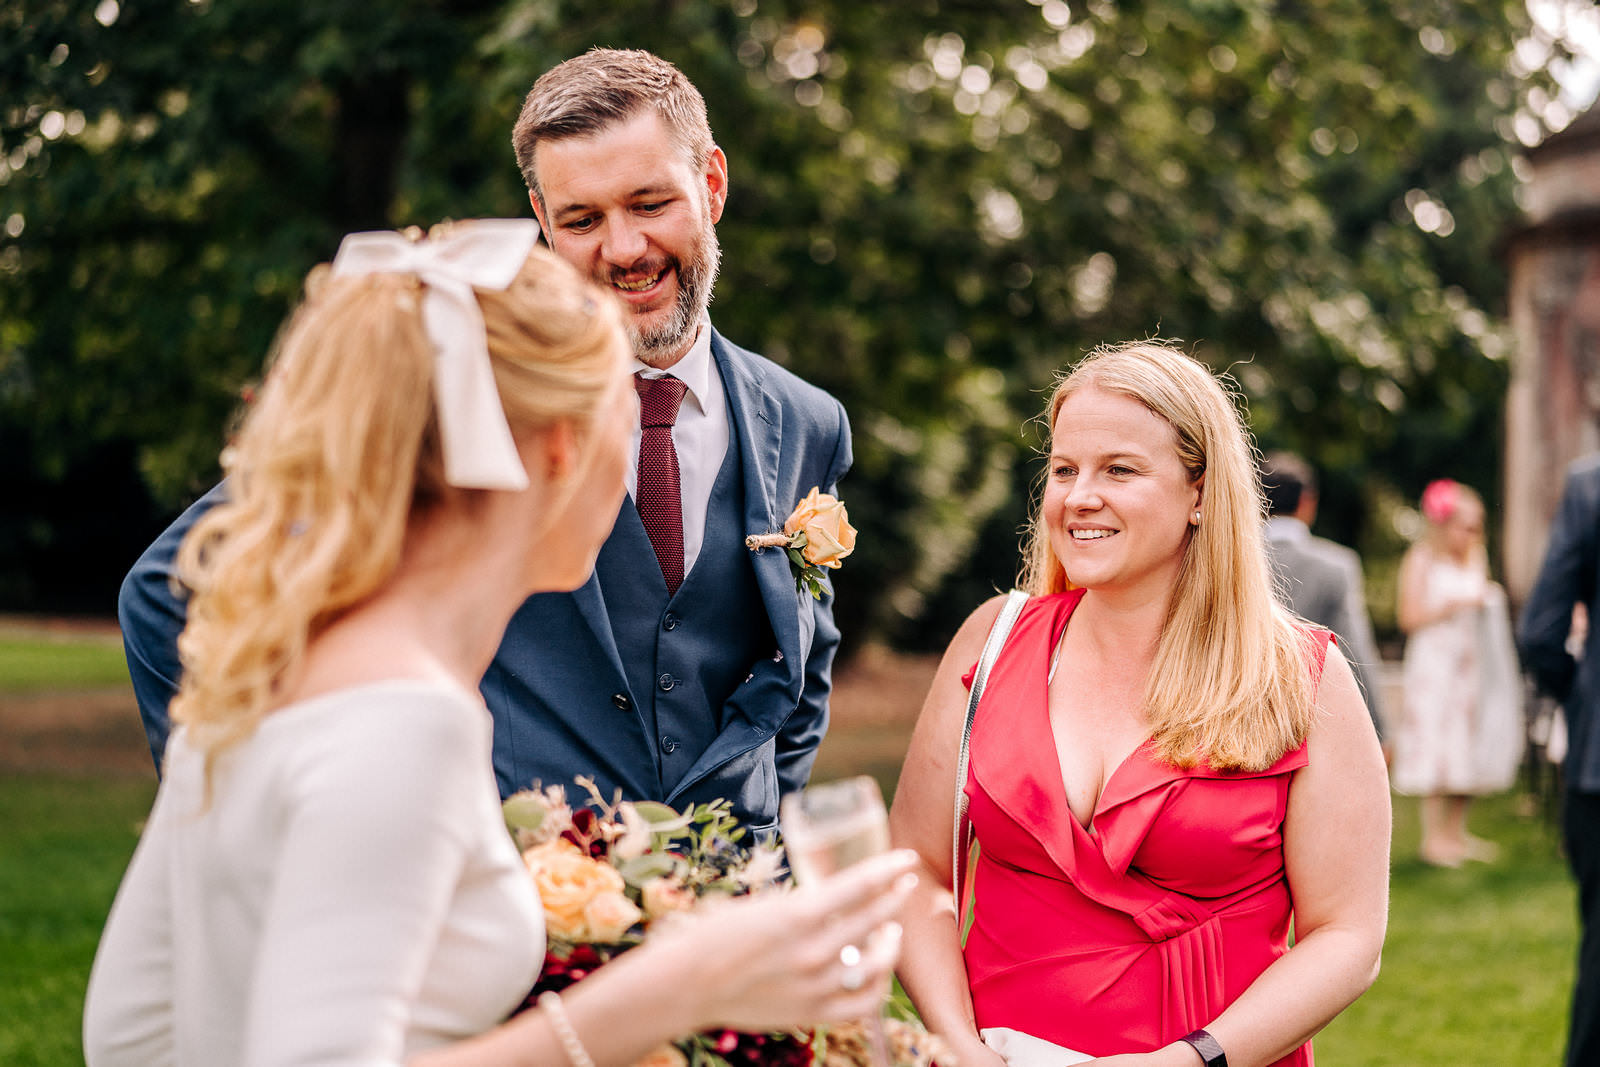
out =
column 663, row 340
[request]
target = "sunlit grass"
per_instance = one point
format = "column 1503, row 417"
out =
column 1479, row 961
column 63, row 846
column 32, row 663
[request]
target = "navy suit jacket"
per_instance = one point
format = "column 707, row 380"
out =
column 1569, row 575
column 557, row 684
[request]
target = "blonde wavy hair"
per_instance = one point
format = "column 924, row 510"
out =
column 1231, row 681
column 339, row 452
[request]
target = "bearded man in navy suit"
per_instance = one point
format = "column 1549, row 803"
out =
column 689, row 667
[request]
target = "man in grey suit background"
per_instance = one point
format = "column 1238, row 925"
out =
column 1319, row 579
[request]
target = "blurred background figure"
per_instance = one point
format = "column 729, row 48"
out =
column 1460, row 730
column 1320, row 580
column 1556, row 638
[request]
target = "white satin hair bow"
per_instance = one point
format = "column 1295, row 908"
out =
column 480, row 254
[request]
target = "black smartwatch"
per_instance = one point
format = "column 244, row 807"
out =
column 1203, row 1043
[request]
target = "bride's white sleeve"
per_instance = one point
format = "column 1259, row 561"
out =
column 375, row 834
column 127, row 1013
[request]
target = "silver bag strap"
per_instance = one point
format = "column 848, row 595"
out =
column 998, row 633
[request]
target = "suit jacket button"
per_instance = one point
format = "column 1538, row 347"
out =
column 621, row 702
column 668, row 745
column 669, row 621
column 666, row 682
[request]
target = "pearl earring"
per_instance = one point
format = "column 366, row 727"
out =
column 1197, row 518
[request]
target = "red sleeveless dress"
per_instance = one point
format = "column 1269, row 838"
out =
column 1125, row 936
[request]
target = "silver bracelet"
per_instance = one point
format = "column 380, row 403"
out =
column 550, row 1003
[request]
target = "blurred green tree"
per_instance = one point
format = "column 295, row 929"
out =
column 936, row 205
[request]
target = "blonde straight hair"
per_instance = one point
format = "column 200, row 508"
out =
column 336, row 456
column 1231, row 684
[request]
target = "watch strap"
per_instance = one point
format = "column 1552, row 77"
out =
column 1211, row 1052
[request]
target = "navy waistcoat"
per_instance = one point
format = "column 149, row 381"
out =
column 684, row 655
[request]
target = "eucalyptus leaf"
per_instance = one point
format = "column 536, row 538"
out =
column 524, row 811
column 648, row 867
column 661, row 817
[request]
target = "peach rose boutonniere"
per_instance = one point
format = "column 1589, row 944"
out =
column 816, row 535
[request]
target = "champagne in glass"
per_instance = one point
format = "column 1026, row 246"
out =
column 828, row 827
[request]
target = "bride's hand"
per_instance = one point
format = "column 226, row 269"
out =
column 819, row 953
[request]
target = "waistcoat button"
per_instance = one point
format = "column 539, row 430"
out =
column 669, row 621
column 666, row 682
column 668, row 745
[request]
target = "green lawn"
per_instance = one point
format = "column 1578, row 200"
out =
column 1476, row 973
column 1477, row 969
column 34, row 662
column 63, row 845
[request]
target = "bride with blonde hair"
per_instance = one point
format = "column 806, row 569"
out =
column 325, row 876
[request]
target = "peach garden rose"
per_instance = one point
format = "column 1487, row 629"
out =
column 568, row 881
column 608, row 916
column 816, row 535
column 826, row 524
column 662, row 896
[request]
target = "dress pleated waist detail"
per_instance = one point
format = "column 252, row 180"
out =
column 1129, row 933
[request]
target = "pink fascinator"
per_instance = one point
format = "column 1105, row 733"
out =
column 1439, row 499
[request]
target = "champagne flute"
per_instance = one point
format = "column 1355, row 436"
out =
column 826, row 828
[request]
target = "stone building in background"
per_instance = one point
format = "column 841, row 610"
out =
column 1553, row 404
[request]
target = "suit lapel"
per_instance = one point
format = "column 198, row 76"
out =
column 758, row 421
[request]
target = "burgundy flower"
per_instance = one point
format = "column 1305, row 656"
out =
column 742, row 1049
column 561, row 971
column 586, row 956
column 585, row 832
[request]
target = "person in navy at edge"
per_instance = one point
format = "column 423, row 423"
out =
column 1561, row 650
column 687, row 668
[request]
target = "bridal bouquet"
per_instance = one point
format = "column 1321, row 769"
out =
column 606, row 873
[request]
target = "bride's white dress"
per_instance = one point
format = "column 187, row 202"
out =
column 1461, row 728
column 348, row 895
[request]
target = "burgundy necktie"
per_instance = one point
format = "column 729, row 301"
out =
column 658, row 497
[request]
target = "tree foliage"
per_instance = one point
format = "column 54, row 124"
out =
column 935, row 206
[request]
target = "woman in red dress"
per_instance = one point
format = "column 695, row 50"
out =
column 1168, row 771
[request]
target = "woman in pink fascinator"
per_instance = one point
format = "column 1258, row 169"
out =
column 1460, row 730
